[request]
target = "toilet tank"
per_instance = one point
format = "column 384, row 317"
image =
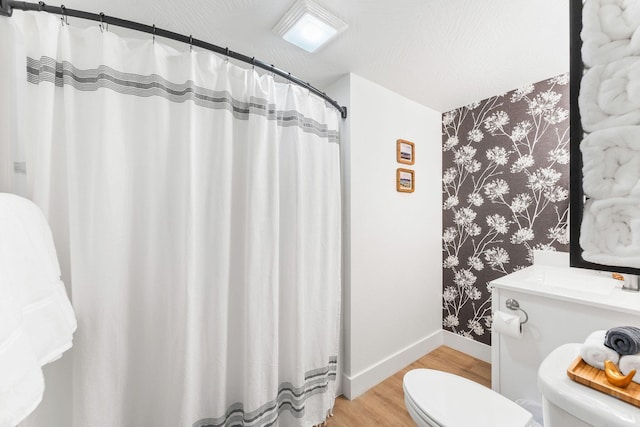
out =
column 564, row 305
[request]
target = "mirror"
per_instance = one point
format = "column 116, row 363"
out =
column 605, row 136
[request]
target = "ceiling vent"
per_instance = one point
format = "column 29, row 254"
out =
column 308, row 25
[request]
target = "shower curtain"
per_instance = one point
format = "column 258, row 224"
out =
column 199, row 208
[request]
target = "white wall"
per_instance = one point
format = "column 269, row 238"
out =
column 392, row 262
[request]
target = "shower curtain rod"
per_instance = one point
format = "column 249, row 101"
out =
column 7, row 6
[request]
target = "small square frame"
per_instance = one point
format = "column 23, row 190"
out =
column 405, row 180
column 405, row 152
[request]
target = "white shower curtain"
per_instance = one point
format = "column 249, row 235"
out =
column 202, row 207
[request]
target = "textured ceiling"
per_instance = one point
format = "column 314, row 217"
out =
column 440, row 53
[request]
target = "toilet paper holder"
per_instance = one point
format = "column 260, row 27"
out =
column 513, row 304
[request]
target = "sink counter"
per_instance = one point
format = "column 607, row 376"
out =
column 587, row 287
column 563, row 305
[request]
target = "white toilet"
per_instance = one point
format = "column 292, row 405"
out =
column 435, row 398
column 566, row 403
column 439, row 399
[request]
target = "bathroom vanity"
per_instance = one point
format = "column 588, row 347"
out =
column 564, row 305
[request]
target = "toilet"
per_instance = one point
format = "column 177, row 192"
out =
column 566, row 403
column 437, row 399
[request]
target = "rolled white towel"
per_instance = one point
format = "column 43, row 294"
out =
column 610, row 95
column 610, row 231
column 611, row 162
column 610, row 30
column 628, row 363
column 594, row 352
column 36, row 318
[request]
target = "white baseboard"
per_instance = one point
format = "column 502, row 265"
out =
column 466, row 345
column 355, row 385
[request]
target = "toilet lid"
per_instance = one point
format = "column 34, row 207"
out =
column 450, row 400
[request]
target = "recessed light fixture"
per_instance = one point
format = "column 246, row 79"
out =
column 308, row 25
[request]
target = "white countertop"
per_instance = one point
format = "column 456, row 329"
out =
column 578, row 285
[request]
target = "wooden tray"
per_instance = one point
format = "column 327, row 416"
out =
column 583, row 373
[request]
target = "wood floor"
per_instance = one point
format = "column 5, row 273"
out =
column 383, row 405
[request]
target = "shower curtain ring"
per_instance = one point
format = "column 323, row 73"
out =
column 64, row 18
column 190, row 43
column 101, row 22
column 154, row 33
column 253, row 62
column 226, row 54
column 41, row 6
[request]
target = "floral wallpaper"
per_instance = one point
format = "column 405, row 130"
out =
column 505, row 193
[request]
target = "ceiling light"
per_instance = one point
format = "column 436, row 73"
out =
column 308, row 26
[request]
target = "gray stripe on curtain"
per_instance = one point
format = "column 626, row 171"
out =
column 289, row 398
column 63, row 73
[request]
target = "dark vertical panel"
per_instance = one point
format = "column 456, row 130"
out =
column 506, row 193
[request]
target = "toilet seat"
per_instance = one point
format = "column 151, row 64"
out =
column 417, row 414
column 443, row 399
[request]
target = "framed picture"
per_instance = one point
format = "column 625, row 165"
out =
column 405, row 152
column 405, row 180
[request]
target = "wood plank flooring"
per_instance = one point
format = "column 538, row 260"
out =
column 383, row 405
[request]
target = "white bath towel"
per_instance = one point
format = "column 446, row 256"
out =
column 629, row 363
column 36, row 318
column 611, row 162
column 594, row 352
column 610, row 95
column 610, row 30
column 610, row 232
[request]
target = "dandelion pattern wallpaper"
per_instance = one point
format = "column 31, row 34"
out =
column 505, row 190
